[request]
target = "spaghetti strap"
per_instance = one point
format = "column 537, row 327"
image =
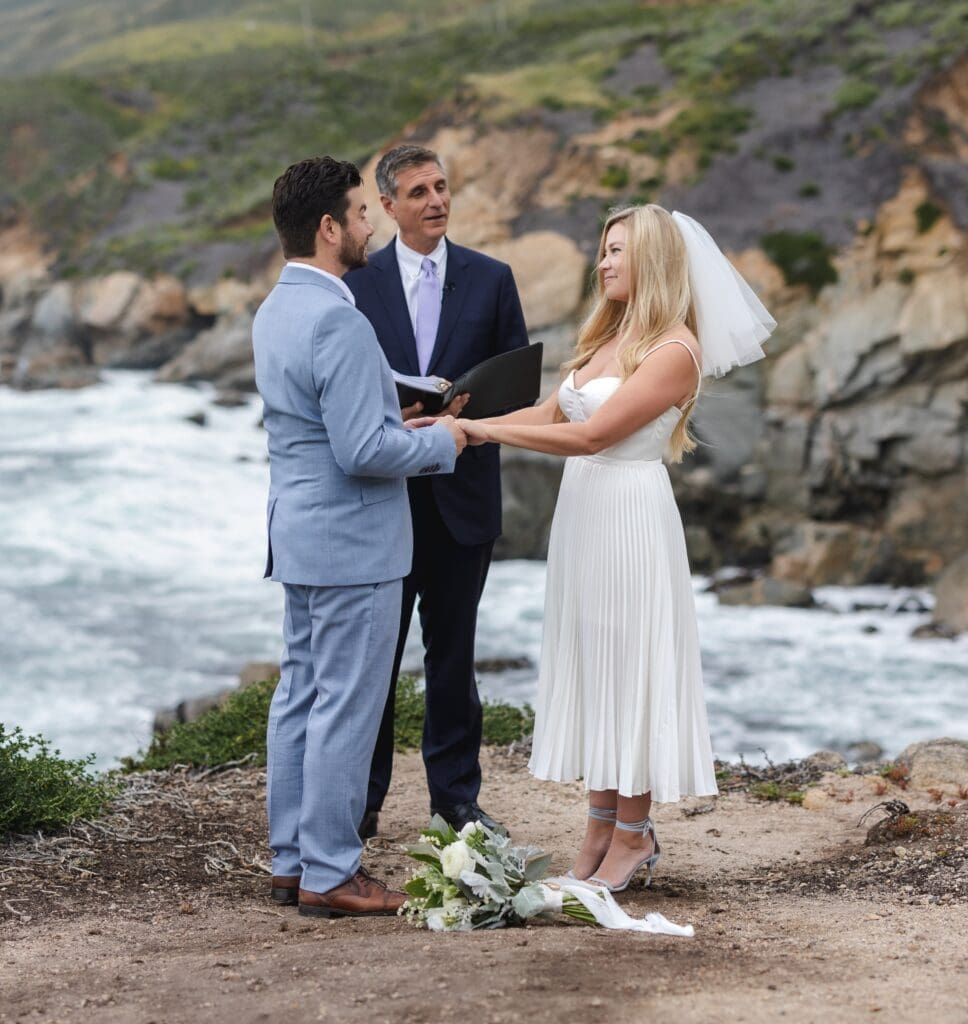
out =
column 692, row 355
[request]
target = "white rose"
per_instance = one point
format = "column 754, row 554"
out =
column 469, row 829
column 455, row 858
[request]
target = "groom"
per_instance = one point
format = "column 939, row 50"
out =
column 339, row 538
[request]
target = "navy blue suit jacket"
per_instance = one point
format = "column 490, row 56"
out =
column 480, row 317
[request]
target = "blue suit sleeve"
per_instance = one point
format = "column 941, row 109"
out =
column 365, row 432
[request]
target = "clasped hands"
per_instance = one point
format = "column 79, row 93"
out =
column 464, row 432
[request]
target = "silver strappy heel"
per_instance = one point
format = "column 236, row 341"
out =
column 598, row 814
column 646, row 828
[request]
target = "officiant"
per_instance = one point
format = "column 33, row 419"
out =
column 439, row 308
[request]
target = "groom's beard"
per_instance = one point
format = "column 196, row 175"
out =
column 352, row 254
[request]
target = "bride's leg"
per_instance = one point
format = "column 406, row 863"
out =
column 598, row 831
column 629, row 848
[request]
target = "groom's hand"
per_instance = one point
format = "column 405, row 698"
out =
column 460, row 438
column 409, row 412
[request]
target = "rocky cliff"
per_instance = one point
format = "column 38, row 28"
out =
column 840, row 458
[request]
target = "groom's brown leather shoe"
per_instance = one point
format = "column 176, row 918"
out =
column 361, row 896
column 284, row 890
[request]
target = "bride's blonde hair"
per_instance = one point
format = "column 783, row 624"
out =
column 659, row 299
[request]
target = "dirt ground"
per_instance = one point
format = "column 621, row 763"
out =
column 163, row 917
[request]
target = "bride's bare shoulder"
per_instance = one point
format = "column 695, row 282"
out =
column 681, row 334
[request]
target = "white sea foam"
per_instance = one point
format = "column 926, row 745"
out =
column 131, row 551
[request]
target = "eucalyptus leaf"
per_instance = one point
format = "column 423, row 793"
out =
column 425, row 852
column 443, row 829
column 529, row 902
column 536, row 867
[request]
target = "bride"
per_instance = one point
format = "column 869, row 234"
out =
column 620, row 701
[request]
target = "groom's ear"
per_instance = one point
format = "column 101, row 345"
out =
column 329, row 229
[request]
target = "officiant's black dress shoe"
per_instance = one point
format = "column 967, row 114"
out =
column 369, row 825
column 459, row 815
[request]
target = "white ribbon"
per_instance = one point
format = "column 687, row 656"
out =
column 607, row 913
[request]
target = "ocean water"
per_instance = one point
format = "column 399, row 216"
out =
column 131, row 555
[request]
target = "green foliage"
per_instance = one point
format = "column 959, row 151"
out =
column 803, row 256
column 855, row 94
column 239, row 90
column 231, row 732
column 657, row 144
column 615, row 177
column 172, row 168
column 503, row 723
column 927, row 214
column 408, row 714
column 809, row 190
column 777, row 791
column 712, row 126
column 41, row 790
column 897, row 14
column 783, row 163
column 905, row 275
column 237, row 729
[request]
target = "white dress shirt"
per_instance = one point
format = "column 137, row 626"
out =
column 409, row 261
column 344, row 288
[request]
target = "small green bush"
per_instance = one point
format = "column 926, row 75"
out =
column 773, row 791
column 615, row 177
column 656, row 144
column 172, row 168
column 803, row 256
column 237, row 729
column 905, row 275
column 713, row 127
column 41, row 790
column 231, row 732
column 855, row 94
column 809, row 190
column 783, row 163
column 503, row 723
column 927, row 214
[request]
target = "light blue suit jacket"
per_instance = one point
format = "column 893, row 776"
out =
column 339, row 454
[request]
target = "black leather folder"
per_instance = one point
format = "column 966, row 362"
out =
column 507, row 381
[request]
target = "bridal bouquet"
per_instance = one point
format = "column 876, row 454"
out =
column 477, row 879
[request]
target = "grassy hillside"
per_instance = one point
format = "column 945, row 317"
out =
column 148, row 133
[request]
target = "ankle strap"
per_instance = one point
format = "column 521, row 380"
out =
column 602, row 813
column 636, row 826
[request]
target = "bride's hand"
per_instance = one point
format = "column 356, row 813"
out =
column 476, row 432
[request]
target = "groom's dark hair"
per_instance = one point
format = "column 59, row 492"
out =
column 303, row 194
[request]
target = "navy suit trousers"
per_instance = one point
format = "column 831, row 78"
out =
column 446, row 583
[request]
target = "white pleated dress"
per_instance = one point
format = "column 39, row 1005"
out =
column 620, row 702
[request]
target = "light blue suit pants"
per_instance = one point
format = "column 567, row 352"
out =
column 323, row 723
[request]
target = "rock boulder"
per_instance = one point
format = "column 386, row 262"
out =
column 937, row 764
column 951, row 596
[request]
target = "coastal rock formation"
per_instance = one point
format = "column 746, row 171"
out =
column 840, row 458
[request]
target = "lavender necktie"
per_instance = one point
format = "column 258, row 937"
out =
column 428, row 312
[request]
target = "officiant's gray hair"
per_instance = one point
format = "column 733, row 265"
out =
column 399, row 159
